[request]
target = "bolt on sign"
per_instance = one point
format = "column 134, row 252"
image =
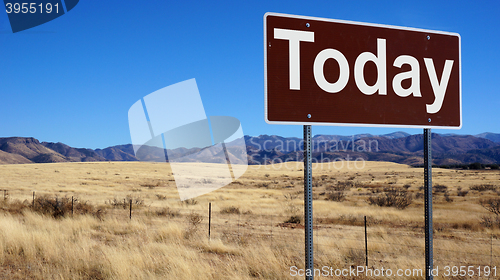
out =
column 332, row 72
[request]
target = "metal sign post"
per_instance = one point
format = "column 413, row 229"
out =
column 428, row 203
column 308, row 201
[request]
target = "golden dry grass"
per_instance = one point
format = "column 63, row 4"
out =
column 164, row 241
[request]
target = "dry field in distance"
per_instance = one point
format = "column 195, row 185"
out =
column 256, row 230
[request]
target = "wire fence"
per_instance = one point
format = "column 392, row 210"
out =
column 373, row 243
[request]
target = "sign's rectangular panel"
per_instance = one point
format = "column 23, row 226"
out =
column 331, row 72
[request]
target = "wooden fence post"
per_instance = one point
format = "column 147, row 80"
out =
column 271, row 230
column 131, row 209
column 209, row 218
column 366, row 245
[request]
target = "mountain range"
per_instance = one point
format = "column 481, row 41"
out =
column 400, row 147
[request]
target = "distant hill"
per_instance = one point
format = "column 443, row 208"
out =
column 495, row 137
column 30, row 149
column 490, row 153
column 117, row 153
column 400, row 147
column 446, row 150
column 73, row 154
column 8, row 158
column 440, row 144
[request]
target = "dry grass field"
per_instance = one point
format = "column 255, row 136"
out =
column 256, row 230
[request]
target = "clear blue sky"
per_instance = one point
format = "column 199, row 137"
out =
column 73, row 79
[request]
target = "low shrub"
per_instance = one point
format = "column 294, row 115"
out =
column 338, row 196
column 58, row 207
column 492, row 205
column 354, row 257
column 490, row 221
column 483, row 187
column 344, row 185
column 447, row 197
column 440, row 188
column 392, row 197
column 194, row 219
column 230, row 210
column 341, row 186
column 125, row 203
column 167, row 212
column 14, row 206
column 190, row 201
column 161, row 196
column 295, row 219
column 462, row 193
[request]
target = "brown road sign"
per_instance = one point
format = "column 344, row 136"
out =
column 331, row 72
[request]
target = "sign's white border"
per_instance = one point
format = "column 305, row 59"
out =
column 365, row 24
